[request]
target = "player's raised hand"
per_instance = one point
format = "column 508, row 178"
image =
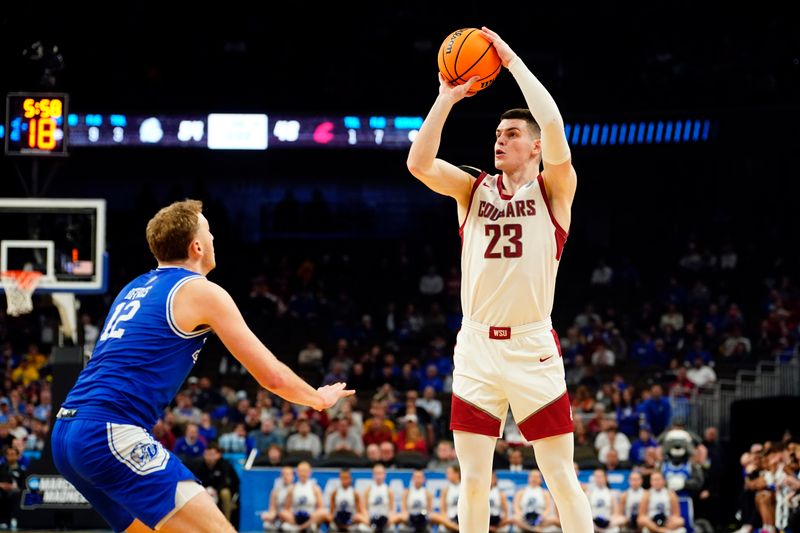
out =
column 503, row 50
column 330, row 394
column 456, row 92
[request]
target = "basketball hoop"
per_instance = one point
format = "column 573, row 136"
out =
column 19, row 286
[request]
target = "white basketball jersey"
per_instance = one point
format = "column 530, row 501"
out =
column 601, row 499
column 495, row 506
column 453, row 492
column 510, row 251
column 417, row 500
column 282, row 492
column 345, row 499
column 378, row 500
column 658, row 503
column 632, row 499
column 532, row 500
column 303, row 497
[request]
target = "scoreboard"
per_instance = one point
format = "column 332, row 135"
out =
column 35, row 124
column 243, row 131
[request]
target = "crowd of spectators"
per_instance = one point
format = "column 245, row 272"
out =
column 383, row 318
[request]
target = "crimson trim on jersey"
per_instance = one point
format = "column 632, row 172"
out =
column 467, row 417
column 503, row 195
column 475, row 185
column 561, row 234
column 555, row 418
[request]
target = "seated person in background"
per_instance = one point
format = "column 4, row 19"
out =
column 447, row 517
column 373, row 453
column 498, row 507
column 346, row 509
column 190, row 445
column 378, row 501
column 630, row 499
column 516, row 460
column 411, row 438
column 303, row 508
column 659, row 511
column 274, row 457
column 445, row 455
column 606, row 511
column 651, row 464
column 12, row 481
column 641, row 444
column 416, row 506
column 343, row 439
column 613, row 463
column 237, row 440
column 304, row 439
column 277, row 500
column 386, row 454
column 533, row 506
column 218, row 477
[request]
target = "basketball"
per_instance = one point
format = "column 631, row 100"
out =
column 466, row 53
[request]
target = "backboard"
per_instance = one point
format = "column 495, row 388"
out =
column 64, row 239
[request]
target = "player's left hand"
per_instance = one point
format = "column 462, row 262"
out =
column 330, row 394
column 454, row 91
column 503, row 50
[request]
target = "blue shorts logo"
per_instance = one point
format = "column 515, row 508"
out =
column 144, row 452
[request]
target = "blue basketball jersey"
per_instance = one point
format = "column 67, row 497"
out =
column 141, row 357
column 683, row 471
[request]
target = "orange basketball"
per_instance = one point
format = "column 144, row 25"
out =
column 466, row 53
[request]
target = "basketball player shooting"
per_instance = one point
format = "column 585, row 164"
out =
column 513, row 227
column 151, row 339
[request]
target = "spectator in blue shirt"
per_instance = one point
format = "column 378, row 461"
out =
column 627, row 414
column 639, row 446
column 657, row 410
column 207, row 429
column 190, row 445
column 432, row 379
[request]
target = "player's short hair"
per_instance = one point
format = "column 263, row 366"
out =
column 524, row 114
column 171, row 230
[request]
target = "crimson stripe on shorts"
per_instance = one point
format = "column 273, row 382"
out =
column 558, row 341
column 466, row 417
column 554, row 418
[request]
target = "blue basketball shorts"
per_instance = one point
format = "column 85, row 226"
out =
column 122, row 470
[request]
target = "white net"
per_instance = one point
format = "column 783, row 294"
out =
column 19, row 286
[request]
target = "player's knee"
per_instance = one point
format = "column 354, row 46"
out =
column 475, row 485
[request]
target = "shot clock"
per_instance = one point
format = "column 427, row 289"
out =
column 36, row 124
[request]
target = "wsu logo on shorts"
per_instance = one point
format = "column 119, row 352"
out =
column 144, row 452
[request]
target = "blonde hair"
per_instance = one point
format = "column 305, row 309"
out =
column 172, row 229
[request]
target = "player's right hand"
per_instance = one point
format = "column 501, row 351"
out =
column 456, row 92
column 503, row 50
column 330, row 394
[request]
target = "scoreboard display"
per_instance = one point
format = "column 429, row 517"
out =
column 36, row 124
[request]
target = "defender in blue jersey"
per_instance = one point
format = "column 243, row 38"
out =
column 152, row 336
